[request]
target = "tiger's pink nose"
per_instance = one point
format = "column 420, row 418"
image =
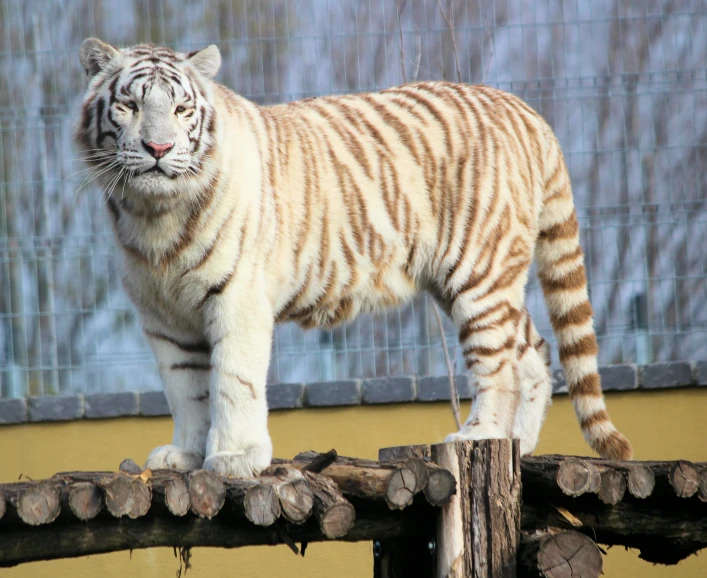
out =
column 157, row 150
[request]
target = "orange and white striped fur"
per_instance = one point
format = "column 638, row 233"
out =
column 232, row 217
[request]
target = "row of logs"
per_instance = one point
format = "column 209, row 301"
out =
column 609, row 480
column 311, row 484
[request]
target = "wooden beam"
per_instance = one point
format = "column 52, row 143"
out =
column 478, row 530
column 654, row 507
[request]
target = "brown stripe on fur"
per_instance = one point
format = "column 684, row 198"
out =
column 588, row 385
column 598, row 417
column 587, row 345
column 391, row 120
column 473, row 322
column 481, row 351
column 578, row 315
column 569, row 257
column 201, row 347
column 565, row 230
column 191, row 366
column 571, row 281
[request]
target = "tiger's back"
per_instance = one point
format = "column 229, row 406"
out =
column 316, row 210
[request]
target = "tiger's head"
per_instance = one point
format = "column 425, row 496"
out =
column 147, row 122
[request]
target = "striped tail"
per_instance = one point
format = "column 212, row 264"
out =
column 562, row 276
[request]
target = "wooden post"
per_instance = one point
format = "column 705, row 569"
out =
column 478, row 531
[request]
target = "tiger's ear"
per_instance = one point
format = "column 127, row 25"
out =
column 96, row 55
column 206, row 61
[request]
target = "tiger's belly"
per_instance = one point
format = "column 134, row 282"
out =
column 373, row 293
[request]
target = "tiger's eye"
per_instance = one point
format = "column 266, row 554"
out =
column 131, row 105
column 180, row 109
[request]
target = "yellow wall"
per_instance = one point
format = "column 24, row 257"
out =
column 662, row 426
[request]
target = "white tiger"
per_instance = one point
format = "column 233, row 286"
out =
column 232, row 217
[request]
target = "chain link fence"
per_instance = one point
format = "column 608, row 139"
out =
column 623, row 84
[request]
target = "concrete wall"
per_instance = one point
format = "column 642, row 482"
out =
column 662, row 425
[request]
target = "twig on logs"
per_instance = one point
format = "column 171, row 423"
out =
column 320, row 461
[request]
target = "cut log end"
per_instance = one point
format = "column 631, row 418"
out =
column 262, row 506
column 38, row 505
column 576, row 477
column 142, row 499
column 613, row 487
column 567, row 555
column 2, row 506
column 296, row 501
column 641, row 481
column 206, row 493
column 118, row 493
column 441, row 486
column 401, row 488
column 176, row 496
column 684, row 479
column 85, row 500
column 337, row 520
column 702, row 483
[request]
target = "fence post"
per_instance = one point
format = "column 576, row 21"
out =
column 478, row 531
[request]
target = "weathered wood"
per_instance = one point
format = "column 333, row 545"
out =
column 440, row 485
column 117, row 493
column 63, row 539
column 142, row 499
column 335, row 513
column 684, row 479
column 261, row 503
column 612, row 487
column 576, row 477
column 176, row 495
column 207, row 493
column 296, row 498
column 39, row 503
column 2, row 505
column 395, row 482
column 559, row 554
column 478, row 532
column 84, row 500
column 665, row 528
column 641, row 481
column 702, row 483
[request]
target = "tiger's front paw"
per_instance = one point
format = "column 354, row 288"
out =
column 247, row 463
column 173, row 458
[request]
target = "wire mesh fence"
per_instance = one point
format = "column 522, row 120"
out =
column 624, row 85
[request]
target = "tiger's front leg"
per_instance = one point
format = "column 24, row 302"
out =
column 240, row 328
column 184, row 369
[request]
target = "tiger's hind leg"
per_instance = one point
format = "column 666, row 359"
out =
column 488, row 337
column 534, row 382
